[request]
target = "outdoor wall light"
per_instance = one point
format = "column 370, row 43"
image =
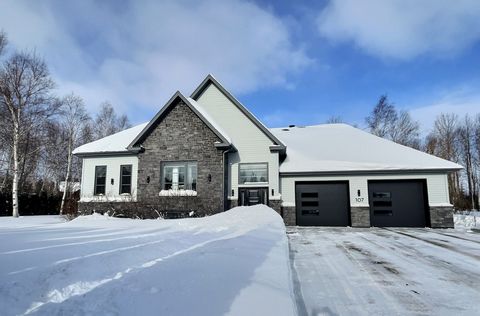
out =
column 148, row 179
column 273, row 192
column 358, row 192
column 111, row 181
column 209, row 178
column 233, row 192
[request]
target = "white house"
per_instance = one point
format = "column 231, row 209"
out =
column 207, row 153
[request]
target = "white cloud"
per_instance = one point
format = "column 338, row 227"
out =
column 141, row 52
column 460, row 101
column 402, row 29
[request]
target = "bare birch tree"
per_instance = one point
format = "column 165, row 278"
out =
column 73, row 119
column 25, row 87
column 466, row 140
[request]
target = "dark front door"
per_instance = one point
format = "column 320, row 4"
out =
column 253, row 196
column 400, row 203
column 322, row 204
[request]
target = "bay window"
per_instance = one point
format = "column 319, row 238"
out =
column 179, row 175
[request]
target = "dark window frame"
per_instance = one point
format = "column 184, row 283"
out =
column 95, row 188
column 120, row 189
column 186, row 163
column 253, row 163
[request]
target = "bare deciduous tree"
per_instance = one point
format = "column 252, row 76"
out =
column 382, row 118
column 3, row 41
column 445, row 135
column 386, row 122
column 107, row 122
column 334, row 120
column 74, row 117
column 25, row 87
column 405, row 130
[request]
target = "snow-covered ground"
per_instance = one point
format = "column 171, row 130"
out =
column 467, row 220
column 401, row 271
column 233, row 263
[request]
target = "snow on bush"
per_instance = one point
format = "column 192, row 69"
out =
column 233, row 263
column 180, row 192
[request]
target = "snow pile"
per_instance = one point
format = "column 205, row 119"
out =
column 233, row 263
column 467, row 220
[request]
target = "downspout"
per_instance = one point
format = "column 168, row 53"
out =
column 225, row 177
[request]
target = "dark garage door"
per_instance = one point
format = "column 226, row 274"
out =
column 322, row 204
column 397, row 203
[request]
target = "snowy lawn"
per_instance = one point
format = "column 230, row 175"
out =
column 401, row 271
column 232, row 263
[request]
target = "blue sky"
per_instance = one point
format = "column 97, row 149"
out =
column 289, row 62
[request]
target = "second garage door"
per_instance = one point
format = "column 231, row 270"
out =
column 397, row 203
column 322, row 204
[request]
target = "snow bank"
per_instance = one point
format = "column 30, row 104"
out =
column 233, row 263
column 466, row 220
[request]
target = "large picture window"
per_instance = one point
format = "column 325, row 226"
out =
column 100, row 180
column 126, row 179
column 181, row 175
column 253, row 173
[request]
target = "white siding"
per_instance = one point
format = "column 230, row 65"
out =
column 113, row 172
column 251, row 143
column 437, row 187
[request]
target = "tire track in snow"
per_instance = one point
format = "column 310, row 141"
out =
column 435, row 243
column 81, row 287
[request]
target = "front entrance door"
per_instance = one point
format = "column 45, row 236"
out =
column 252, row 196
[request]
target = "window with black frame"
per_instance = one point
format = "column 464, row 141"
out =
column 179, row 175
column 251, row 173
column 100, row 180
column 126, row 179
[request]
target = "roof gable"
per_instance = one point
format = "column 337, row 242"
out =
column 196, row 108
column 279, row 146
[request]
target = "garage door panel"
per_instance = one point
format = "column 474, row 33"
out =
column 322, row 204
column 397, row 203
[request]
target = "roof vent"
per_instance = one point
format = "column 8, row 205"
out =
column 285, row 129
column 291, row 125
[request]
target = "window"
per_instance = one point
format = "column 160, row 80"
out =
column 180, row 175
column 253, row 173
column 126, row 179
column 100, row 179
column 382, row 195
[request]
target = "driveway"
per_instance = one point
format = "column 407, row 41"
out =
column 394, row 271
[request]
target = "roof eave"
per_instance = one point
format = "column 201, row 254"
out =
column 368, row 172
column 129, row 152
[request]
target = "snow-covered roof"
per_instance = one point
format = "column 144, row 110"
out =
column 205, row 114
column 343, row 148
column 115, row 143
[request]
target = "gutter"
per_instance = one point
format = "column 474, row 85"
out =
column 366, row 172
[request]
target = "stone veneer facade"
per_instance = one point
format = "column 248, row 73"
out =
column 179, row 136
column 441, row 217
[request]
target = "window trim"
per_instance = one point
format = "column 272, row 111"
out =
column 95, row 183
column 253, row 183
column 121, row 179
column 185, row 163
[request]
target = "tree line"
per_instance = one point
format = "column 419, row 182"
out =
column 452, row 137
column 39, row 129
